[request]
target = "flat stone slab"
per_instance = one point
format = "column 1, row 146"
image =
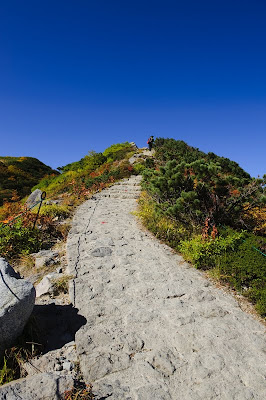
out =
column 17, row 297
column 101, row 252
column 44, row 386
column 156, row 328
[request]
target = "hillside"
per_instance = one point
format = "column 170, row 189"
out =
column 205, row 207
column 20, row 174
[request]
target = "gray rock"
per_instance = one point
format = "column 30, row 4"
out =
column 102, row 252
column 135, row 158
column 50, row 202
column 147, row 152
column 46, row 258
column 52, row 361
column 44, row 386
column 33, row 198
column 68, row 366
column 58, row 367
column 46, row 285
column 16, row 304
column 133, row 144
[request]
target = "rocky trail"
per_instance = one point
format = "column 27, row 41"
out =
column 155, row 327
column 143, row 324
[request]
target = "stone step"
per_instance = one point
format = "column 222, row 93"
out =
column 124, row 190
column 118, row 196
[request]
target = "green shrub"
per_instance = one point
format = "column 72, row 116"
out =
column 22, row 238
column 56, row 184
column 149, row 162
column 191, row 186
column 235, row 260
column 138, row 168
column 6, row 374
column 18, row 239
column 245, row 270
column 61, row 284
column 117, row 151
column 90, row 162
column 171, row 149
column 205, row 253
column 191, row 192
column 161, row 226
column 55, row 210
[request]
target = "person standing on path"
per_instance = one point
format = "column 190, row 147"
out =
column 150, row 142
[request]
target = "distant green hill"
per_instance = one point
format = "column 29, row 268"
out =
column 20, row 174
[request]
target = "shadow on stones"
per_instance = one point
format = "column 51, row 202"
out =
column 57, row 324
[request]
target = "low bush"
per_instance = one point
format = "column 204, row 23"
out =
column 79, row 392
column 22, row 238
column 55, row 210
column 149, row 163
column 191, row 192
column 117, row 151
column 255, row 219
column 18, row 239
column 234, row 258
column 11, row 209
column 61, row 284
column 139, row 168
column 161, row 226
column 204, row 253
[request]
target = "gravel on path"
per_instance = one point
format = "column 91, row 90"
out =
column 156, row 328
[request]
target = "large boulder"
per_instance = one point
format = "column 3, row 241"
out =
column 33, row 198
column 16, row 304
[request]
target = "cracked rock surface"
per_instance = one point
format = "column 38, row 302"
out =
column 156, row 328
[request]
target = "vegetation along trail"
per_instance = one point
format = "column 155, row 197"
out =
column 156, row 328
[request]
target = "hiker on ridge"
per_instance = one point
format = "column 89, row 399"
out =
column 150, row 142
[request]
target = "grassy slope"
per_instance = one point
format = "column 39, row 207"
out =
column 20, row 174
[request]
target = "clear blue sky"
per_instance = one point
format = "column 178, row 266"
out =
column 77, row 75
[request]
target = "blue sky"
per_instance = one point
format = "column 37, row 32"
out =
column 82, row 75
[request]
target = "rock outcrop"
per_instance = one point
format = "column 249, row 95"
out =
column 16, row 304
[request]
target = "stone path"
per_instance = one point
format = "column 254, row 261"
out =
column 156, row 328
